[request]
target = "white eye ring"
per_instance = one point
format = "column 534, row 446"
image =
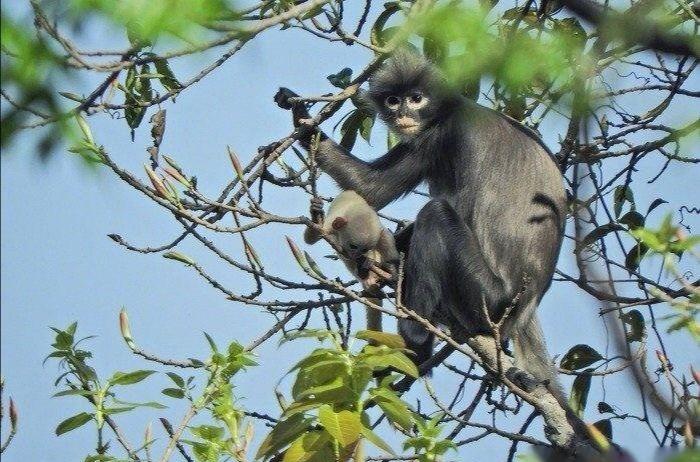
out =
column 392, row 102
column 416, row 101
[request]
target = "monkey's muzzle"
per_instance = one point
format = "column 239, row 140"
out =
column 407, row 125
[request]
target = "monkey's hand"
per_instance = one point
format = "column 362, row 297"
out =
column 299, row 110
column 300, row 114
column 282, row 98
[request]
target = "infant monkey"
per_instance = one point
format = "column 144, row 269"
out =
column 368, row 248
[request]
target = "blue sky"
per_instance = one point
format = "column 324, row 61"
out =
column 58, row 265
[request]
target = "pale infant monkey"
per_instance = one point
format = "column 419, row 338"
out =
column 368, row 248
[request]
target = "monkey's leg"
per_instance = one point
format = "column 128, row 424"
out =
column 445, row 267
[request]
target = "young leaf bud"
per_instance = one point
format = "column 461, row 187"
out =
column 297, row 254
column 182, row 258
column 236, row 164
column 157, row 183
column 125, row 330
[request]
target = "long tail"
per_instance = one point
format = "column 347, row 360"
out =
column 530, row 351
column 374, row 317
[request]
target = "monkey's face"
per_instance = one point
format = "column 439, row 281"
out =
column 407, row 113
column 355, row 238
column 407, row 92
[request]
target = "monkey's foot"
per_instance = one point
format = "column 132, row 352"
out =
column 316, row 210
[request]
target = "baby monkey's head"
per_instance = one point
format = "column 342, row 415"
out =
column 357, row 231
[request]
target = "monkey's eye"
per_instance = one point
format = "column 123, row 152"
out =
column 392, row 101
column 416, row 98
column 352, row 247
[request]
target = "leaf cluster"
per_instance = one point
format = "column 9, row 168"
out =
column 331, row 394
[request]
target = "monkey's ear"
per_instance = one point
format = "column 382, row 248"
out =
column 339, row 223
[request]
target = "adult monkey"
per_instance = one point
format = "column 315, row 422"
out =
column 495, row 218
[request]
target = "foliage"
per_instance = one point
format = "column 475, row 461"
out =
column 328, row 418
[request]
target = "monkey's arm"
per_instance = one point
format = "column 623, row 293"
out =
column 378, row 182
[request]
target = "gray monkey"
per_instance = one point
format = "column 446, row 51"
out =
column 496, row 215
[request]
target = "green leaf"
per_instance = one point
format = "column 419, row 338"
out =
column 317, row 356
column 580, row 356
column 133, row 113
column 334, row 391
column 513, row 13
column 688, row 455
column 379, row 358
column 394, row 408
column 579, row 393
column 343, row 426
column 622, row 194
column 206, row 451
column 74, row 393
column 378, row 36
column 376, row 440
column 573, row 30
column 179, row 381
column 632, row 219
column 392, row 139
column 168, row 79
column 605, row 408
column 443, row 446
column 211, row 342
column 635, row 323
column 64, row 338
column 599, row 232
column 382, row 338
column 117, row 410
column 605, row 427
column 655, row 204
column 361, row 375
column 71, row 423
column 208, row 432
column 151, row 404
column 85, row 128
column 349, row 129
column 433, row 49
column 342, row 79
column 285, row 432
column 366, row 127
column 300, row 407
column 313, row 446
column 635, row 255
column 129, row 378
column 176, row 393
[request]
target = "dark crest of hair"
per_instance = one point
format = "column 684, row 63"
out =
column 403, row 71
